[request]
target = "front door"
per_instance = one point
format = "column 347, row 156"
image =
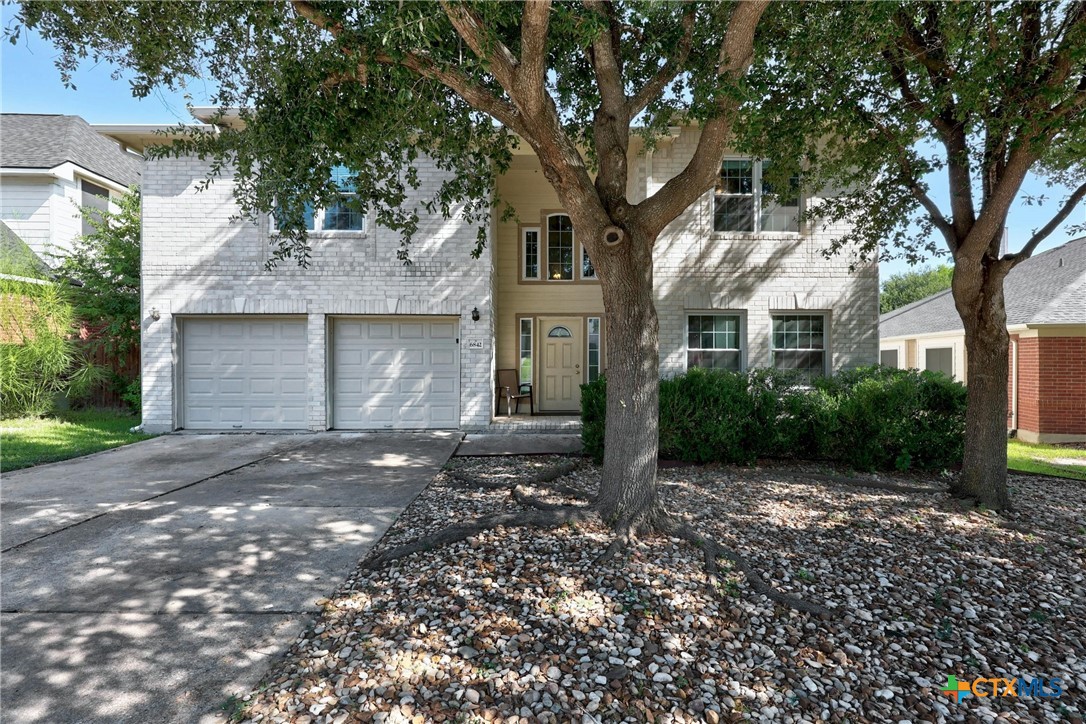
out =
column 560, row 374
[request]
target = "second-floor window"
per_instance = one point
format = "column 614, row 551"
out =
column 559, row 247
column 344, row 215
column 743, row 201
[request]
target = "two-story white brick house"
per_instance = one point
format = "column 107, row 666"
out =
column 359, row 341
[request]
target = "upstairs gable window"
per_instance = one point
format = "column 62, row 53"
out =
column 744, row 202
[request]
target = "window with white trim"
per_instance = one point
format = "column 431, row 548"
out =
column 714, row 341
column 343, row 216
column 530, row 246
column 799, row 343
column 559, row 248
column 525, row 336
column 594, row 348
column 744, row 202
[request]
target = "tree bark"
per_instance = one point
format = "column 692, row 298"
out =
column 628, row 491
column 978, row 294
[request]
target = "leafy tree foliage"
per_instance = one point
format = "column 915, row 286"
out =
column 375, row 85
column 875, row 97
column 105, row 266
column 912, row 286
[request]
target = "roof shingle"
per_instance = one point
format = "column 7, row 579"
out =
column 1049, row 288
column 47, row 141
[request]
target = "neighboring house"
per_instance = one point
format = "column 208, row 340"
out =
column 360, row 341
column 50, row 165
column 1046, row 317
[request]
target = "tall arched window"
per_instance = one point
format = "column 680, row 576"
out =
column 559, row 247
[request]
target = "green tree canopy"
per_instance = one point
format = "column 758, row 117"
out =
column 104, row 267
column 912, row 286
column 876, row 97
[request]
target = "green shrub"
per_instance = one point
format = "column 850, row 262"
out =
column 40, row 361
column 874, row 418
column 132, row 395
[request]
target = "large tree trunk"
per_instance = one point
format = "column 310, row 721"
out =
column 978, row 294
column 628, row 486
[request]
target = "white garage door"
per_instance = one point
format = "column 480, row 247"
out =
column 395, row 372
column 244, row 373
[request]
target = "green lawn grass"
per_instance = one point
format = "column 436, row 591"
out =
column 1042, row 459
column 30, row 441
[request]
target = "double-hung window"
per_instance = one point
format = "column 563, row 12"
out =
column 799, row 343
column 93, row 197
column 744, row 202
column 714, row 341
column 345, row 214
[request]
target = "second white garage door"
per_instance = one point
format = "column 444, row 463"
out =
column 395, row 373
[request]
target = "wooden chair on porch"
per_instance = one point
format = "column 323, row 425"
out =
column 512, row 390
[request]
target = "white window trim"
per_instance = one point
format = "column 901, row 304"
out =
column 587, row 340
column 756, row 182
column 743, row 346
column 520, row 350
column 538, row 253
column 898, row 347
column 957, row 355
column 827, row 335
column 318, row 222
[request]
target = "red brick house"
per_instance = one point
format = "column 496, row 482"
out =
column 1046, row 318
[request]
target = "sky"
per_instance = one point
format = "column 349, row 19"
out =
column 30, row 83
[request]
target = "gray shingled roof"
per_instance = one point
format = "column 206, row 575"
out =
column 1049, row 288
column 46, row 141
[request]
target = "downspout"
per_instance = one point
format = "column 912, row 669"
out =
column 1014, row 388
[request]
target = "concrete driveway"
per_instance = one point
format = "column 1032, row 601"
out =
column 151, row 582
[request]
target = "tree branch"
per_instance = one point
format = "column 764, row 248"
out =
column 477, row 96
column 604, row 56
column 531, row 71
column 470, row 27
column 1068, row 206
column 669, row 70
column 682, row 189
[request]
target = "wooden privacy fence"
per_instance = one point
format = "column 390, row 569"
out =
column 117, row 364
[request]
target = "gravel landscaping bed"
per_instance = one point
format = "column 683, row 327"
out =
column 520, row 626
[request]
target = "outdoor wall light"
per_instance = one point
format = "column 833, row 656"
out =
column 475, row 314
column 155, row 316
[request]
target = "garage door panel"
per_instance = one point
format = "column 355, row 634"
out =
column 244, row 373
column 410, row 375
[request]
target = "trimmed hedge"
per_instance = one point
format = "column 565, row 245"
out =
column 872, row 418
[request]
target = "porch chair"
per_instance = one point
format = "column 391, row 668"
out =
column 510, row 388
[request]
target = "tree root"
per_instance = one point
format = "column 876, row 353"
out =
column 531, row 519
column 668, row 525
column 544, row 477
column 542, row 514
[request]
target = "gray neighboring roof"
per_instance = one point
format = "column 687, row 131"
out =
column 47, row 141
column 18, row 258
column 1049, row 288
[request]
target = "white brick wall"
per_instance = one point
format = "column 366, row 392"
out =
column 697, row 270
column 196, row 260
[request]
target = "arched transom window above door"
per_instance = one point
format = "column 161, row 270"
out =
column 559, row 331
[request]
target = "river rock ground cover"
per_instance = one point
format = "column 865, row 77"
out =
column 517, row 625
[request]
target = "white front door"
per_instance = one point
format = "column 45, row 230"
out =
column 560, row 375
column 395, row 373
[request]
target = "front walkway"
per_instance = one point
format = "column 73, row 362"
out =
column 151, row 582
